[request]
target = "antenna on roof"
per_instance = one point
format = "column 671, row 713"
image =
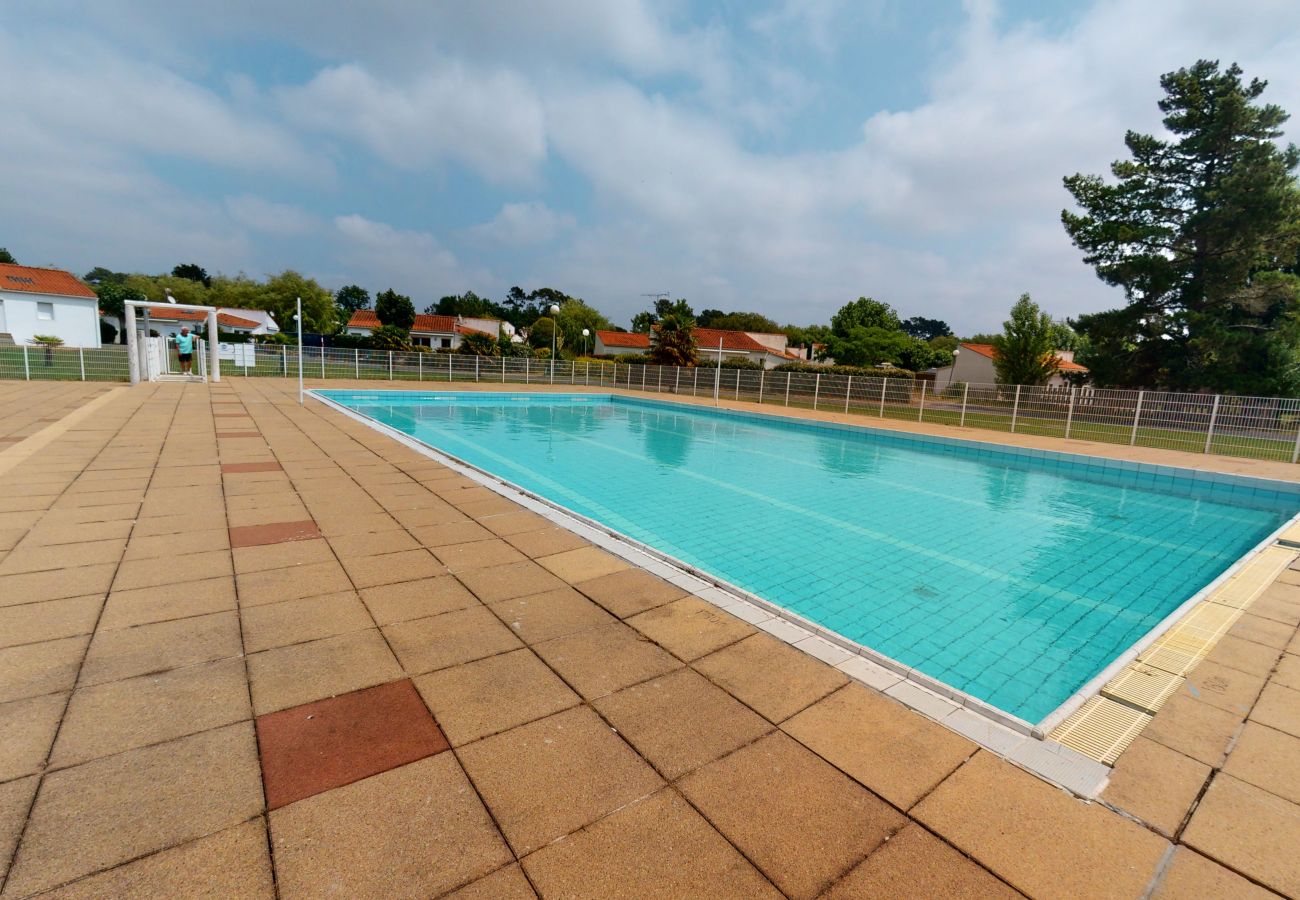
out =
column 661, row 295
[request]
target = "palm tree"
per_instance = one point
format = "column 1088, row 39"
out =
column 672, row 341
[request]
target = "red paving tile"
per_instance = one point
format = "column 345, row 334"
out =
column 312, row 748
column 235, row 434
column 10, row 440
column 274, row 533
column 237, row 468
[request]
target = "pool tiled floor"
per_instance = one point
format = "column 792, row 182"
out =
column 182, row 690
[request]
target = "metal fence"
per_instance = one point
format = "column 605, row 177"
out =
column 1256, row 427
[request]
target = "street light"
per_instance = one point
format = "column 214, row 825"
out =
column 953, row 369
column 586, row 333
column 555, row 310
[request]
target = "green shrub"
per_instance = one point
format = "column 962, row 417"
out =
column 856, row 371
column 731, row 362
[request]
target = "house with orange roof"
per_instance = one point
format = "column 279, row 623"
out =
column 47, row 302
column 168, row 321
column 766, row 349
column 435, row 332
column 973, row 364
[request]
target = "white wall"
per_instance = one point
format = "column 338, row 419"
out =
column 76, row 319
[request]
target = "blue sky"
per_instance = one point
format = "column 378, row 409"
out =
column 785, row 156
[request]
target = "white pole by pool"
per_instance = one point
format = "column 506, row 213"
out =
column 717, row 377
column 298, row 317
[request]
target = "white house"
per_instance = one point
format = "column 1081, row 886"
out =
column 973, row 364
column 168, row 321
column 767, row 349
column 47, row 301
column 436, row 332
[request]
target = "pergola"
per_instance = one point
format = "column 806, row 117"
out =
column 133, row 350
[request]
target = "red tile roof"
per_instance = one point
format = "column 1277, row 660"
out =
column 424, row 324
column 169, row 314
column 42, row 281
column 988, row 350
column 624, row 339
column 705, row 339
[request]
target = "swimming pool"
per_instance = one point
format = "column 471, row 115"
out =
column 1014, row 576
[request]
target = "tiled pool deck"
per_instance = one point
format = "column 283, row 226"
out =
column 249, row 648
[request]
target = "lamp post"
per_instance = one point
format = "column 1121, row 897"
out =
column 586, row 333
column 555, row 326
column 953, row 369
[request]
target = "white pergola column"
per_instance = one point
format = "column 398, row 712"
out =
column 132, row 349
column 214, row 357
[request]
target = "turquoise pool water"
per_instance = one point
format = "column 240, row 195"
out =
column 1013, row 578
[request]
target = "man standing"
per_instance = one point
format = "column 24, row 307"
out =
column 185, row 349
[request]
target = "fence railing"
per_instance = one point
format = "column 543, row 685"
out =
column 1256, row 427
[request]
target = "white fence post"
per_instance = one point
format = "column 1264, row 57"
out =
column 477, row 360
column 1015, row 410
column 284, row 361
column 677, row 379
column 27, row 366
column 1069, row 415
column 788, row 374
column 659, row 384
column 503, row 370
column 884, row 383
column 1137, row 414
column 1214, row 418
column 390, row 365
column 81, row 351
column 356, row 362
column 322, row 362
column 737, row 384
column 761, row 373
column 848, row 392
column 965, row 392
column 450, row 357
column 1295, row 451
column 920, row 414
column 695, row 383
column 817, row 389
column 528, row 371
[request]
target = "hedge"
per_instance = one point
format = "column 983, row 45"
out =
column 856, row 371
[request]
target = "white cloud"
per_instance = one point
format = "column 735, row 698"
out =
column 265, row 216
column 412, row 262
column 521, row 224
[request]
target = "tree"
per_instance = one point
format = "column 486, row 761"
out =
column 864, row 313
column 925, row 329
column 390, row 337
column 479, row 344
column 576, row 315
column 874, row 345
column 541, row 332
column 643, row 322
column 395, row 309
column 100, row 275
column 1198, row 231
column 112, row 302
column 466, row 304
column 7, row 257
column 672, row 343
column 350, row 298
column 193, row 272
column 980, row 338
column 1025, row 351
column 737, row 321
column 281, row 291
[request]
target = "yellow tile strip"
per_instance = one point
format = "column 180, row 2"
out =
column 1142, row 687
column 1254, row 577
column 1101, row 729
column 1291, row 535
column 34, row 442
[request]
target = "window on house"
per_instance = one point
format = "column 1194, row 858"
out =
column 44, row 310
column 420, row 341
column 446, row 342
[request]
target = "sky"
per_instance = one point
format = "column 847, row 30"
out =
column 782, row 156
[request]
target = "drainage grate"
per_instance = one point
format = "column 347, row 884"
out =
column 1142, row 687
column 1101, row 729
column 1254, row 577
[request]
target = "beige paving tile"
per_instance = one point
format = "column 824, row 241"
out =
column 690, row 628
column 1267, row 759
column 550, row 614
column 480, row 698
column 549, row 778
column 35, row 669
column 48, row 620
column 1218, row 685
column 142, row 606
column 162, row 526
column 26, row 732
column 31, row 587
column 1263, row 630
column 1194, row 728
column 896, row 753
column 630, row 591
column 497, row 583
column 1287, row 672
column 583, row 564
column 126, row 652
column 391, row 568
column 1278, row 707
column 142, row 573
column 308, row 619
column 372, row 543
column 1156, row 784
column 545, row 543
column 598, row 661
column 681, row 721
column 15, row 800
column 415, row 831
column 408, row 600
column 114, row 809
column 1038, row 838
column 507, row 883
column 423, row 645
column 307, row 580
column 434, row 536
column 135, row 712
column 301, row 673
column 1280, row 602
column 170, row 545
column 914, row 863
column 1191, row 875
column 1249, row 830
column 793, row 815
column 771, row 676
column 43, row 559
column 657, row 847
column 478, row 554
column 284, row 555
column 1248, row 656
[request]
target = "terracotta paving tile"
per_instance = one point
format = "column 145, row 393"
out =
column 281, row 556
column 230, row 863
column 631, row 591
column 583, row 564
column 159, row 646
column 550, row 614
column 300, row 673
column 109, row 718
column 1267, row 759
column 142, row 606
column 1249, row 830
column 1194, row 728
column 657, row 847
column 497, row 583
column 49, row 620
column 275, row 533
column 120, row 807
column 1248, row 656
column 793, row 815
column 15, row 800
column 545, row 543
column 1278, row 707
column 307, row 619
column 265, row 515
column 34, row 669
column 507, row 883
column 1038, row 838
column 308, row 580
column 31, row 587
column 392, row 568
column 681, row 721
column 480, row 698
column 312, row 748
column 172, row 545
column 415, row 831
column 551, row 777
column 690, row 628
column 770, row 676
column 1156, row 784
column 478, row 554
column 914, row 863
column 26, row 732
column 895, row 752
column 461, row 636
column 601, row 660
column 140, row 573
column 1191, row 875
